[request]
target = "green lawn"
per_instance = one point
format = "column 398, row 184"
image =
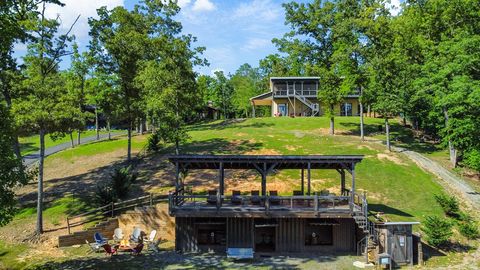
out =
column 31, row 144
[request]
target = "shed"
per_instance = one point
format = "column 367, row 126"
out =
column 396, row 240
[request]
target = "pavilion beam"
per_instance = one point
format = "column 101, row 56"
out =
column 308, row 178
column 177, row 175
column 342, row 179
column 303, row 181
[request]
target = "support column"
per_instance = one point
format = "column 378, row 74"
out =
column 342, row 183
column 177, row 175
column 353, row 181
column 221, row 179
column 308, row 179
column 264, row 179
column 303, row 181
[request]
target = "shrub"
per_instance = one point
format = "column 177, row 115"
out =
column 469, row 230
column 121, row 181
column 462, row 216
column 437, row 230
column 153, row 141
column 472, row 159
column 104, row 194
column 449, row 204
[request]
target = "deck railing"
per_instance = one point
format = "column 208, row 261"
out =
column 317, row 203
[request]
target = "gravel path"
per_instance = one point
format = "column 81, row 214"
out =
column 30, row 159
column 448, row 179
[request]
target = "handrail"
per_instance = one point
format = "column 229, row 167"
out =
column 100, row 212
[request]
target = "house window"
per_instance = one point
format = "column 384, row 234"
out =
column 346, row 109
column 282, row 110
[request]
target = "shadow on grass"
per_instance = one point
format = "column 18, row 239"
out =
column 226, row 125
column 175, row 260
column 215, row 146
column 387, row 210
column 432, row 252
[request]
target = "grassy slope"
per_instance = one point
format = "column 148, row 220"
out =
column 403, row 191
column 31, row 144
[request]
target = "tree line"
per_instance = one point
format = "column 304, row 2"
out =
column 422, row 64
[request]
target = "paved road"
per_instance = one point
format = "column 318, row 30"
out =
column 30, row 159
column 448, row 178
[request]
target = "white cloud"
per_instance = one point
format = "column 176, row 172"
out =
column 394, row 7
column 264, row 10
column 256, row 43
column 85, row 8
column 203, row 5
column 183, row 3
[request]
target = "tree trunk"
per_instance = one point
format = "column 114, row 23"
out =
column 108, row 129
column 404, row 119
column 16, row 147
column 387, row 129
column 332, row 125
column 361, row 123
column 141, row 126
column 177, row 147
column 39, row 229
column 369, row 111
column 78, row 138
column 97, row 131
column 451, row 148
column 71, row 140
column 129, row 141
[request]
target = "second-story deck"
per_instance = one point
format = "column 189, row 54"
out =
column 304, row 203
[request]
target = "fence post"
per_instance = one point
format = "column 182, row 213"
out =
column 68, row 226
column 113, row 208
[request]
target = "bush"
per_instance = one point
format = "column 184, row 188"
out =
column 469, row 230
column 449, row 204
column 153, row 141
column 472, row 159
column 437, row 230
column 121, row 180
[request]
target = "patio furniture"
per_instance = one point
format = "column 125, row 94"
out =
column 255, row 197
column 118, row 235
column 94, row 247
column 212, row 197
column 236, row 198
column 274, row 200
column 109, row 250
column 136, row 235
column 240, row 253
column 151, row 242
column 99, row 239
column 137, row 250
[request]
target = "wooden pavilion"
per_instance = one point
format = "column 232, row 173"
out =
column 306, row 221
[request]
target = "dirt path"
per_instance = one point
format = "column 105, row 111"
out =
column 448, row 179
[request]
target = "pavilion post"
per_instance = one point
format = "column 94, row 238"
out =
column 308, row 179
column 342, row 184
column 303, row 181
column 353, row 182
column 264, row 179
column 177, row 175
column 221, row 179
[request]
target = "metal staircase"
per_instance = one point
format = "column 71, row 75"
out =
column 313, row 106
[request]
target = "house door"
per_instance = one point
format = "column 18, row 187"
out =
column 282, row 110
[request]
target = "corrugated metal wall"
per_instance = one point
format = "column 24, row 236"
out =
column 290, row 235
column 344, row 235
column 185, row 235
column 240, row 232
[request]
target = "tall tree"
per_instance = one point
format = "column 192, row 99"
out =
column 120, row 43
column 224, row 93
column 47, row 105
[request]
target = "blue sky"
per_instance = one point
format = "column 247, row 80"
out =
column 233, row 31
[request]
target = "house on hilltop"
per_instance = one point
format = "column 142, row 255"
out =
column 298, row 96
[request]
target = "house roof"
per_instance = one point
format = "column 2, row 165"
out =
column 278, row 161
column 294, row 78
column 262, row 96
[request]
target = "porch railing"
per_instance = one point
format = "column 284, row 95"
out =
column 318, row 203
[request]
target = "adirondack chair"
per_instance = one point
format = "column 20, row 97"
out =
column 99, row 239
column 136, row 235
column 236, row 199
column 118, row 235
column 94, row 247
column 137, row 250
column 151, row 242
column 255, row 197
column 275, row 200
column 109, row 250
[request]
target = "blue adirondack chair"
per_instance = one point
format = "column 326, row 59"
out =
column 99, row 239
